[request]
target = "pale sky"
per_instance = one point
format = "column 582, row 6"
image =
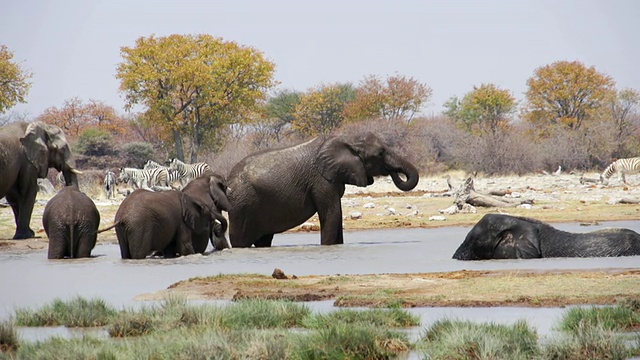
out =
column 73, row 46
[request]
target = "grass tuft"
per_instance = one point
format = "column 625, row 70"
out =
column 379, row 317
column 77, row 312
column 8, row 337
column 619, row 317
column 356, row 341
column 129, row 324
column 263, row 314
column 453, row 339
column 588, row 341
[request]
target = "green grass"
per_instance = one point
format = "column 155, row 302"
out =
column 395, row 318
column 620, row 317
column 77, row 312
column 351, row 341
column 589, row 341
column 454, row 339
column 8, row 337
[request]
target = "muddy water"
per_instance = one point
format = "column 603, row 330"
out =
column 29, row 279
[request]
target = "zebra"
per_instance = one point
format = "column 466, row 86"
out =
column 622, row 167
column 172, row 175
column 143, row 179
column 189, row 172
column 109, row 184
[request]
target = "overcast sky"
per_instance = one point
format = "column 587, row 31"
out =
column 73, row 46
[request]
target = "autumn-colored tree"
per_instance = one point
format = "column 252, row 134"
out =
column 396, row 98
column 75, row 116
column 194, row 84
column 321, row 109
column 14, row 81
column 567, row 93
column 486, row 109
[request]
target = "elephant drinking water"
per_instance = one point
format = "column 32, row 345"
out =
column 273, row 191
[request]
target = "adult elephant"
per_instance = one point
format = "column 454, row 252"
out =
column 210, row 191
column 71, row 221
column 172, row 222
column 273, row 191
column 498, row 236
column 27, row 151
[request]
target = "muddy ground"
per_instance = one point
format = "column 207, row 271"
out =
column 554, row 198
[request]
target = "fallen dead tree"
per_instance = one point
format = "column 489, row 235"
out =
column 467, row 196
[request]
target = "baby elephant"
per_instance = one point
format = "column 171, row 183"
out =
column 166, row 221
column 71, row 222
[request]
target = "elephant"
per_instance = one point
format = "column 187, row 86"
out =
column 274, row 190
column 498, row 236
column 27, row 151
column 210, row 191
column 172, row 222
column 71, row 221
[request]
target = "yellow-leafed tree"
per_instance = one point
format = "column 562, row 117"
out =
column 14, row 81
column 565, row 93
column 193, row 84
column 321, row 109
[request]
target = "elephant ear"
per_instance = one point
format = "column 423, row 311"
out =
column 519, row 242
column 35, row 148
column 218, row 191
column 339, row 162
column 192, row 213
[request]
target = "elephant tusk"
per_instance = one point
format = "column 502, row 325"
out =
column 76, row 171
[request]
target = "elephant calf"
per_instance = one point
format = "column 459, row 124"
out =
column 71, row 222
column 498, row 236
column 172, row 222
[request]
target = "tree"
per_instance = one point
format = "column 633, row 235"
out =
column 321, row 109
column 621, row 110
column 397, row 98
column 280, row 111
column 75, row 116
column 485, row 109
column 566, row 93
column 193, row 84
column 14, row 81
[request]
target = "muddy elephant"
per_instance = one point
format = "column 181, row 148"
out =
column 273, row 191
column 27, row 151
column 210, row 191
column 71, row 221
column 498, row 236
column 171, row 222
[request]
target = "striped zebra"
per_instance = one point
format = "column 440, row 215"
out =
column 143, row 179
column 622, row 167
column 172, row 175
column 110, row 184
column 189, row 172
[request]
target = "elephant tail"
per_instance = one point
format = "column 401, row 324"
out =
column 72, row 243
column 107, row 228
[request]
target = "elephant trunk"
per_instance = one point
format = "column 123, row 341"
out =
column 218, row 238
column 410, row 172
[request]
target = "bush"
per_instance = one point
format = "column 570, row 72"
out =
column 77, row 312
column 587, row 341
column 135, row 154
column 8, row 337
column 95, row 142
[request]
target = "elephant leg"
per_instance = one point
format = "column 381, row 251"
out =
column 169, row 252
column 264, row 241
column 331, row 224
column 86, row 243
column 121, row 233
column 24, row 209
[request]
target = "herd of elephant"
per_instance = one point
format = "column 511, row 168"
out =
column 264, row 194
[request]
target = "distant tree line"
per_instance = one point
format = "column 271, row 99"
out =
column 206, row 98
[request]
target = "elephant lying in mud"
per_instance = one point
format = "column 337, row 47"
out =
column 273, row 191
column 498, row 236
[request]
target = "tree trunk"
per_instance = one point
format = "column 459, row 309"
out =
column 179, row 147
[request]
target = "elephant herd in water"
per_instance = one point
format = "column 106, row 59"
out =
column 264, row 194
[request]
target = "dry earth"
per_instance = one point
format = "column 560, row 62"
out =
column 560, row 198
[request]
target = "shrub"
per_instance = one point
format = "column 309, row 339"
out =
column 95, row 142
column 620, row 317
column 377, row 317
column 588, row 341
column 135, row 154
